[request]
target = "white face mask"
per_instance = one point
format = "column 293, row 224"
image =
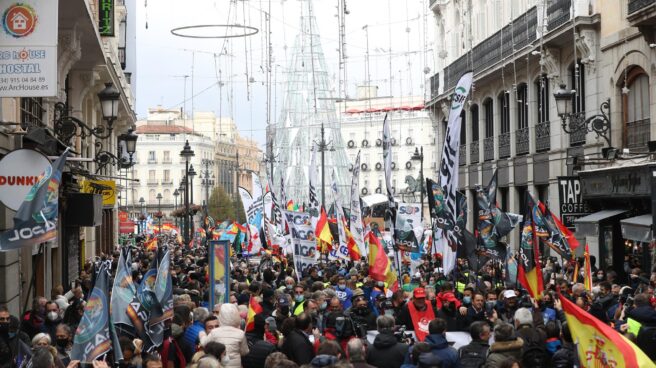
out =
column 52, row 316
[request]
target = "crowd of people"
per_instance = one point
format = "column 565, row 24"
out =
column 334, row 314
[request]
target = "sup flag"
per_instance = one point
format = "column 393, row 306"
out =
column 598, row 344
column 528, row 269
column 552, row 234
column 436, row 205
column 447, row 240
column 93, row 337
column 36, row 219
column 313, row 205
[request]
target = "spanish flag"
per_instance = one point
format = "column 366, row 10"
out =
column 599, row 345
column 354, row 251
column 290, row 205
column 380, row 267
column 587, row 273
column 254, row 308
column 323, row 229
column 152, row 245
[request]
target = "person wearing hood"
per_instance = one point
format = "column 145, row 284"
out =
column 258, row 348
column 386, row 351
column 440, row 348
column 229, row 334
column 506, row 345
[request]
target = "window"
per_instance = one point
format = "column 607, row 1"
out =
column 151, row 156
column 167, row 156
column 474, row 118
column 151, row 196
column 489, row 118
column 167, row 176
column 577, row 75
column 522, row 106
column 504, row 106
column 31, row 111
column 542, row 86
column 167, row 195
column 636, row 109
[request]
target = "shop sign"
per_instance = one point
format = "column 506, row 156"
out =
column 106, row 188
column 19, row 171
column 571, row 200
column 28, row 55
column 629, row 182
column 106, row 17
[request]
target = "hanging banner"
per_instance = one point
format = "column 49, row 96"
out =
column 355, row 215
column 106, row 188
column 219, row 272
column 28, row 55
column 408, row 228
column 303, row 239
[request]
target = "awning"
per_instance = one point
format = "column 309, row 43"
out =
column 589, row 225
column 637, row 228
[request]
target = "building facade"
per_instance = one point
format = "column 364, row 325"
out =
column 411, row 130
column 86, row 59
column 520, row 58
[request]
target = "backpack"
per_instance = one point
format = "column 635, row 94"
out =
column 535, row 355
column 470, row 358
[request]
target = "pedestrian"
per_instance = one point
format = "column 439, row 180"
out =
column 229, row 334
column 296, row 343
column 386, row 351
column 506, row 346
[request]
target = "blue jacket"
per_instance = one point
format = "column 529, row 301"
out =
column 440, row 349
column 191, row 333
column 344, row 297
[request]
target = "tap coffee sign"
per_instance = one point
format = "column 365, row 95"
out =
column 571, row 200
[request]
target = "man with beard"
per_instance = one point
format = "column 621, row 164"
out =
column 506, row 309
column 416, row 314
column 449, row 311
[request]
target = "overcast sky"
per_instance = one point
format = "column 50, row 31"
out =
column 163, row 59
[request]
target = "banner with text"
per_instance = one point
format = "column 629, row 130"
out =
column 303, row 240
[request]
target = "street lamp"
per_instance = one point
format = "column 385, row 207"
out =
column 323, row 146
column 187, row 153
column 190, row 174
column 109, row 98
column 159, row 211
column 142, row 222
column 419, row 156
column 207, row 182
column 176, row 193
column 574, row 122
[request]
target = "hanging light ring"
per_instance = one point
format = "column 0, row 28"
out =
column 185, row 31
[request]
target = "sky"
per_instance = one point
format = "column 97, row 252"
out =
column 217, row 70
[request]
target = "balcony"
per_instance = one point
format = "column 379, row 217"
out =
column 543, row 136
column 577, row 138
column 435, row 85
column 474, row 152
column 522, row 141
column 462, row 155
column 152, row 182
column 558, row 13
column 642, row 14
column 504, row 145
column 168, row 181
column 488, row 149
column 152, row 161
column 166, row 161
column 121, row 57
column 640, row 6
column 637, row 134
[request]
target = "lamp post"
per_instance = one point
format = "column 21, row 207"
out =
column 323, row 146
column 159, row 212
column 187, row 153
column 182, row 190
column 191, row 173
column 207, row 182
column 176, row 193
column 419, row 156
column 574, row 122
column 142, row 222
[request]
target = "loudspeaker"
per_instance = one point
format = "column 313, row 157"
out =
column 84, row 209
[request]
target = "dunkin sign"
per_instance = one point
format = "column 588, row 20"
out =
column 19, row 172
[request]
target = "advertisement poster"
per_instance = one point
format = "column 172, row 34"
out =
column 219, row 271
column 28, row 51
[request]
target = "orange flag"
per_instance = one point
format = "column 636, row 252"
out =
column 254, row 308
column 598, row 344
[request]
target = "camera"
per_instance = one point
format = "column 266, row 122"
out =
column 402, row 335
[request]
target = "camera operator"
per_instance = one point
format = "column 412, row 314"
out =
column 363, row 318
column 386, row 351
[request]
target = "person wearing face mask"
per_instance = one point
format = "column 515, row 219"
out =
column 299, row 300
column 289, row 285
column 33, row 320
column 343, row 293
column 63, row 343
column 52, row 318
column 416, row 314
column 363, row 317
column 171, row 353
column 282, row 309
column 449, row 311
column 18, row 341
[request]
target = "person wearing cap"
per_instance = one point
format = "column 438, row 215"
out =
column 282, row 309
column 507, row 307
column 360, row 312
column 448, row 310
column 416, row 314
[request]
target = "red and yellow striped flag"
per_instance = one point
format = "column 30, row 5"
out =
column 323, row 228
column 354, row 251
column 599, row 345
column 254, row 308
column 380, row 267
column 587, row 276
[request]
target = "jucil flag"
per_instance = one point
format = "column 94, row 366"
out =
column 36, row 219
column 449, row 171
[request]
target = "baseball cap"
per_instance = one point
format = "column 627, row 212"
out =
column 419, row 293
column 283, row 301
column 509, row 294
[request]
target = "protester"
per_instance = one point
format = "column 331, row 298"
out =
column 357, row 353
column 474, row 354
column 386, row 351
column 506, row 346
column 229, row 334
column 296, row 344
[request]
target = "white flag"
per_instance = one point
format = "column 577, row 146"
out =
column 342, row 250
column 357, row 229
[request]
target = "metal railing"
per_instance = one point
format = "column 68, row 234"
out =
column 522, row 141
column 474, row 152
column 488, row 149
column 504, row 145
column 577, row 137
column 558, row 13
column 462, row 155
column 543, row 136
column 637, row 5
column 637, row 133
column 153, row 181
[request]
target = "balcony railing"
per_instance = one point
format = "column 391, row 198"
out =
column 637, row 133
column 152, row 160
column 504, row 145
column 558, row 13
column 488, row 149
column 577, row 137
column 542, row 136
column 167, row 181
column 637, row 5
column 166, row 161
column 435, row 85
column 474, row 152
column 522, row 141
column 462, row 153
column 153, row 181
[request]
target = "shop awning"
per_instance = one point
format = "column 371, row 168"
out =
column 637, row 228
column 589, row 225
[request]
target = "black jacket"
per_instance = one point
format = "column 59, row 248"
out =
column 473, row 354
column 645, row 314
column 259, row 350
column 386, row 351
column 565, row 357
column 298, row 347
